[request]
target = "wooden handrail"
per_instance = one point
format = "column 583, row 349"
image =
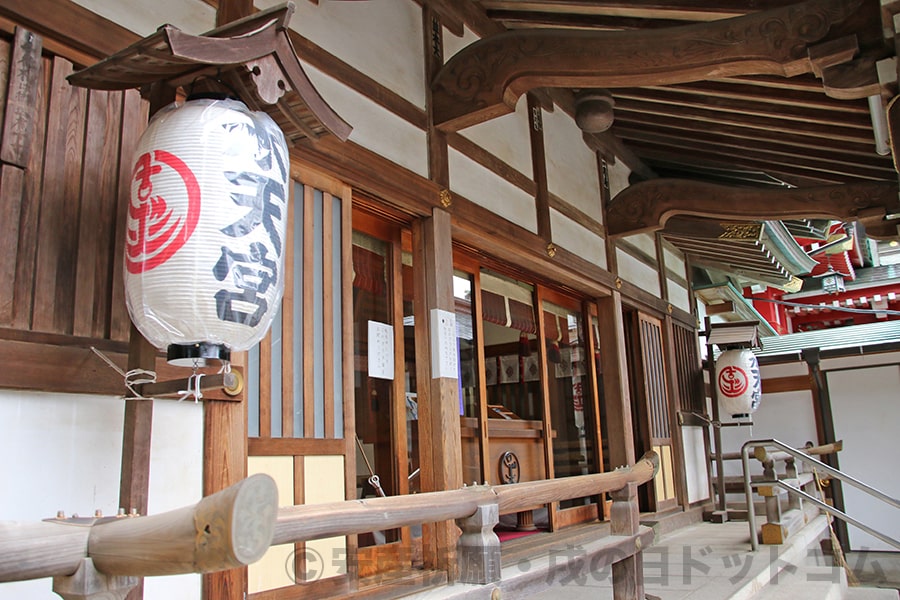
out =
column 762, row 455
column 811, row 450
column 332, row 519
column 237, row 525
column 228, row 529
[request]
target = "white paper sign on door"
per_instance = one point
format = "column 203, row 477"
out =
column 444, row 360
column 381, row 350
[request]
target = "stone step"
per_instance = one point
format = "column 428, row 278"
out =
column 805, row 583
column 871, row 593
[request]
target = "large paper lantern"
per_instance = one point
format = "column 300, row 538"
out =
column 738, row 383
column 204, row 252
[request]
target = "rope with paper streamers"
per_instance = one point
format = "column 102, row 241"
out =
column 131, row 378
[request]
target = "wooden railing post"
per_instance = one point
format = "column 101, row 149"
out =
column 628, row 573
column 479, row 546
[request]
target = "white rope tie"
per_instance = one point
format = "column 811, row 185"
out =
column 131, row 378
column 193, row 388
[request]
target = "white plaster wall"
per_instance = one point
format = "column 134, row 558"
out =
column 143, row 18
column 675, row 261
column 63, row 452
column 637, row 272
column 454, row 43
column 176, row 480
column 374, row 127
column 645, row 242
column 618, row 178
column 507, row 138
column 483, row 187
column 791, row 369
column 381, row 38
column 572, row 236
column 787, row 416
column 866, row 406
column 571, row 166
column 678, row 295
column 695, row 463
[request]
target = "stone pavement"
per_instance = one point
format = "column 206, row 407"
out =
column 703, row 561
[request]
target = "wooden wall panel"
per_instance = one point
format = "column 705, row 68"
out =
column 30, row 209
column 58, row 224
column 65, row 156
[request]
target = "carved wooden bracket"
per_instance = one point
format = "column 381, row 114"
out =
column 646, row 206
column 252, row 56
column 485, row 79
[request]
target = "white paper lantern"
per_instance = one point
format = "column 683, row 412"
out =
column 738, row 382
column 204, row 253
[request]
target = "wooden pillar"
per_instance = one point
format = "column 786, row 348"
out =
column 224, row 464
column 823, row 401
column 674, row 393
column 615, row 381
column 440, row 453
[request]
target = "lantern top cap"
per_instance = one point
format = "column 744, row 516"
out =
column 254, row 56
column 738, row 334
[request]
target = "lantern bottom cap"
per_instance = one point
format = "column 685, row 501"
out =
column 196, row 354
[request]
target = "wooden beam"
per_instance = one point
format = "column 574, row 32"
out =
column 539, row 167
column 508, row 64
column 647, row 206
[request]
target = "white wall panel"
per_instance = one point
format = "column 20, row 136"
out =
column 791, row 369
column 143, row 18
column 573, row 237
column 618, row 178
column 381, row 38
column 484, row 187
column 454, row 43
column 786, row 416
column 637, row 272
column 866, row 411
column 571, row 166
column 374, row 127
column 695, row 463
column 75, row 443
column 678, row 295
column 507, row 138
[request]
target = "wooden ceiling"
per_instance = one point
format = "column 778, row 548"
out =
column 756, row 130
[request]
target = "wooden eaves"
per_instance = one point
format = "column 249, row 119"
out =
column 252, row 57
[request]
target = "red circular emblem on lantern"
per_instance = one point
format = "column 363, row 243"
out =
column 733, row 381
column 160, row 223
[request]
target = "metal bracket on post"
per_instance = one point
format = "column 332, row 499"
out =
column 87, row 583
column 479, row 546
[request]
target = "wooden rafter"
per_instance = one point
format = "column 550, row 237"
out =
column 485, row 79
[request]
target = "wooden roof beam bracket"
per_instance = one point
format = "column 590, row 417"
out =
column 485, row 79
column 647, row 206
column 253, row 55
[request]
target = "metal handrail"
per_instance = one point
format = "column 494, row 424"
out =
column 797, row 454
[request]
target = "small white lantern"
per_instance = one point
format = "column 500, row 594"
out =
column 738, row 383
column 204, row 252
